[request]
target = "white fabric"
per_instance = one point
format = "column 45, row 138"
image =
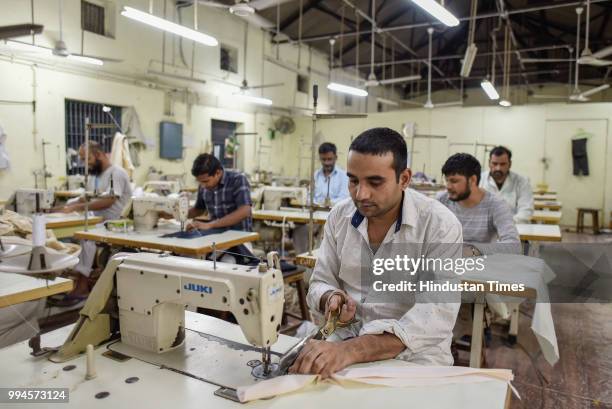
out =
column 533, row 273
column 390, row 376
column 5, row 162
column 423, row 325
column 120, row 153
column 516, row 191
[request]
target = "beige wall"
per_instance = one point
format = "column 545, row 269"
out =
column 520, row 128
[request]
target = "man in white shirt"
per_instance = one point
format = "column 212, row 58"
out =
column 331, row 182
column 382, row 218
column 103, row 177
column 513, row 188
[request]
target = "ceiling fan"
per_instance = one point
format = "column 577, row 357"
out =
column 247, row 10
column 59, row 50
column 588, row 57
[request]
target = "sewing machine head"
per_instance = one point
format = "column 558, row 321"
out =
column 274, row 196
column 162, row 187
column 146, row 210
column 24, row 201
column 153, row 292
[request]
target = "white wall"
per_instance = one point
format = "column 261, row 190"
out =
column 520, row 128
column 130, row 83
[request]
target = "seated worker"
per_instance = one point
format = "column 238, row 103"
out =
column 513, row 188
column 484, row 216
column 102, row 174
column 331, row 186
column 382, row 217
column 331, row 182
column 225, row 194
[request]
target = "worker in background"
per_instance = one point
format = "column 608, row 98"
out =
column 225, row 194
column 383, row 218
column 513, row 188
column 331, row 186
column 111, row 185
column 331, row 182
column 485, row 217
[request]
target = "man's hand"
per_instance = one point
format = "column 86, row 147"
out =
column 342, row 303
column 198, row 225
column 321, row 357
column 68, row 209
column 165, row 215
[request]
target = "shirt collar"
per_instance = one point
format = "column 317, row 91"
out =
column 320, row 171
column 223, row 180
column 407, row 214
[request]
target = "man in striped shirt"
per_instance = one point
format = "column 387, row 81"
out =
column 485, row 217
column 225, row 194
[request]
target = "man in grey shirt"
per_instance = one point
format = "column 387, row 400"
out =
column 103, row 177
column 485, row 217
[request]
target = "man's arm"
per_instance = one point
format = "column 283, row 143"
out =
column 98, row 204
column 195, row 212
column 508, row 239
column 228, row 220
column 524, row 205
column 327, row 358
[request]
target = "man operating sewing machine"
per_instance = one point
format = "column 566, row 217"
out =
column 382, row 217
column 110, row 185
column 225, row 194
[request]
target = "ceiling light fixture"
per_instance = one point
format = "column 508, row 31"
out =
column 438, row 11
column 169, row 26
column 253, row 99
column 345, row 89
column 489, row 89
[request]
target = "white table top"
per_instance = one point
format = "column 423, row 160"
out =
column 545, row 196
column 59, row 220
column 546, row 215
column 18, row 288
column 319, row 217
column 152, row 240
column 539, row 232
column 166, row 389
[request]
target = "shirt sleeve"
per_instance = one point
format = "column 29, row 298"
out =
column 324, row 276
column 242, row 192
column 341, row 192
column 200, row 204
column 426, row 329
column 121, row 184
column 508, row 239
column 524, row 205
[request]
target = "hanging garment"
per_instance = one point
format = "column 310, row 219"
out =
column 120, row 153
column 579, row 154
column 5, row 163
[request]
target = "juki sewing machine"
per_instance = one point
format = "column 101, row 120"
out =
column 146, row 211
column 162, row 187
column 144, row 296
column 274, row 196
column 24, row 201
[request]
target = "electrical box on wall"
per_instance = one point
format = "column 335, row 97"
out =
column 170, row 140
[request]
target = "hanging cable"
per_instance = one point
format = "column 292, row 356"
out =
column 299, row 59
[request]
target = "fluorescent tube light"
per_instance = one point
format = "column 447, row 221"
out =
column 505, row 103
column 254, row 99
column 169, row 26
column 86, row 60
column 468, row 60
column 436, row 10
column 489, row 89
column 334, row 86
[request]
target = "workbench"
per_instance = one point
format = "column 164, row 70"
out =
column 65, row 225
column 161, row 388
column 539, row 232
column 195, row 247
column 545, row 216
column 547, row 205
column 545, row 196
column 19, row 288
column 301, row 217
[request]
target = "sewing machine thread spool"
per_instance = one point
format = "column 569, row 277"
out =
column 39, row 235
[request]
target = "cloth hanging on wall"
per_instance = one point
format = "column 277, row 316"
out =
column 120, row 153
column 5, row 162
column 579, row 155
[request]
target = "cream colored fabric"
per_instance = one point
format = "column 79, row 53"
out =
column 392, row 376
column 120, row 153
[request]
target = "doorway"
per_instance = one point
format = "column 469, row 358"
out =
column 224, row 142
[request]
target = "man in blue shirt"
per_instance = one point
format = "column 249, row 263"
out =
column 331, row 182
column 224, row 193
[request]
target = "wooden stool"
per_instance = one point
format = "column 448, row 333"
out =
column 297, row 277
column 595, row 218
